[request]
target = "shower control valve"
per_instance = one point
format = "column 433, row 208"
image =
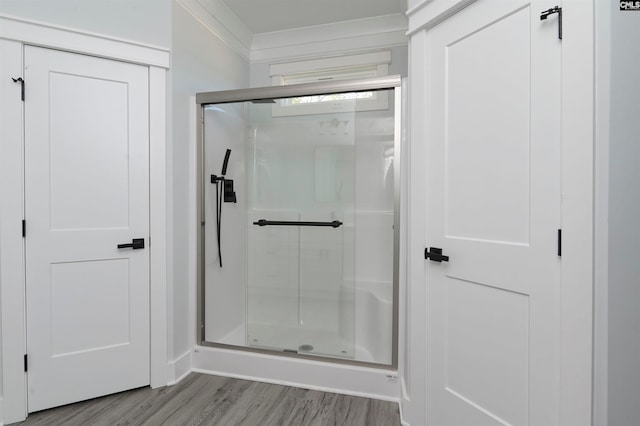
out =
column 229, row 193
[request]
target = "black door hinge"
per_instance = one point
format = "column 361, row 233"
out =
column 21, row 81
column 557, row 9
column 26, row 365
column 24, row 228
column 559, row 242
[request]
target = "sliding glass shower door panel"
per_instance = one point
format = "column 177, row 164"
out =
column 301, row 240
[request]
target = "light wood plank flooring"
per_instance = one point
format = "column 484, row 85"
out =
column 202, row 399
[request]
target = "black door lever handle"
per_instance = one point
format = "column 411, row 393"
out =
column 435, row 255
column 136, row 243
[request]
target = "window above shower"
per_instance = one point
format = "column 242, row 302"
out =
column 331, row 69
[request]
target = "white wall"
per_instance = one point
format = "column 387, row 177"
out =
column 201, row 62
column 624, row 211
column 144, row 21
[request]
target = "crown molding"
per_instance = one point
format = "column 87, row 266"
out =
column 221, row 21
column 339, row 37
column 314, row 41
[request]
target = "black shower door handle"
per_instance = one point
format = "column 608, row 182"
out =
column 264, row 222
column 136, row 243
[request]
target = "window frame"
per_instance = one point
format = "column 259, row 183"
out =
column 336, row 68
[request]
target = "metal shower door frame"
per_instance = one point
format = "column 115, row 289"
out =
column 393, row 82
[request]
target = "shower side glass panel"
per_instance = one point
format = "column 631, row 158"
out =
column 225, row 292
column 307, row 246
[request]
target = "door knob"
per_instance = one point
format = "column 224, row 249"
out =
column 136, row 243
column 434, row 254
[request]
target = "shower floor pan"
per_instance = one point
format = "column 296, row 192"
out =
column 279, row 339
column 299, row 340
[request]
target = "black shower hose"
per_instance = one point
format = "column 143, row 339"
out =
column 219, row 218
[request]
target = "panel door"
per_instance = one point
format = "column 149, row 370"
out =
column 86, row 191
column 493, row 206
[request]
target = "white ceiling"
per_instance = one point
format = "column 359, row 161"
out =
column 262, row 16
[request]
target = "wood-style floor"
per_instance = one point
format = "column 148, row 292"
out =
column 202, row 399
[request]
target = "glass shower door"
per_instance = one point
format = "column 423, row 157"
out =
column 299, row 221
column 300, row 287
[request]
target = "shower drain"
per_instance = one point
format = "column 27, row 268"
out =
column 305, row 348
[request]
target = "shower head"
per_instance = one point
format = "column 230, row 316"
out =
column 225, row 162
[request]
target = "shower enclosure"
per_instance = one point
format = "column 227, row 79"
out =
column 299, row 199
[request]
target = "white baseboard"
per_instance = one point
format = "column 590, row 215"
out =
column 403, row 421
column 179, row 368
column 403, row 398
column 1, row 412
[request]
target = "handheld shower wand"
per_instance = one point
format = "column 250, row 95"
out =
column 225, row 162
column 227, row 195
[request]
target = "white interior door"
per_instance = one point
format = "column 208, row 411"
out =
column 493, row 206
column 86, row 191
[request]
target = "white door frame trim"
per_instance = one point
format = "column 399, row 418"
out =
column 14, row 34
column 578, row 138
column 42, row 34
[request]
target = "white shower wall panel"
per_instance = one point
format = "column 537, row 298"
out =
column 374, row 235
column 225, row 310
column 374, row 203
column 273, row 270
column 320, row 160
column 374, row 243
column 373, row 318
